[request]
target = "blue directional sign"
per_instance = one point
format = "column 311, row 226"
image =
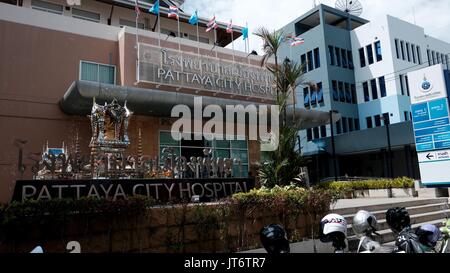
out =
column 431, row 125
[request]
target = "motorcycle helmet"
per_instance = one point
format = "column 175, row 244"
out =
column 429, row 235
column 364, row 222
column 274, row 239
column 37, row 250
column 398, row 219
column 333, row 228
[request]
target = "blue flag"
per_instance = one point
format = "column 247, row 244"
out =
column 155, row 8
column 194, row 19
column 245, row 33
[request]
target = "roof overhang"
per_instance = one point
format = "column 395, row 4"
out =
column 148, row 102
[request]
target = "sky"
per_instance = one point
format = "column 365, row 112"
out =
column 274, row 14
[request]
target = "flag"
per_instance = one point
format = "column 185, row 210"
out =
column 212, row 24
column 173, row 12
column 230, row 27
column 297, row 41
column 136, row 8
column 155, row 8
column 245, row 33
column 194, row 19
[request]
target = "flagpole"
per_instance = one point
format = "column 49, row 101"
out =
column 232, row 41
column 137, row 43
column 179, row 34
column 158, row 17
column 198, row 37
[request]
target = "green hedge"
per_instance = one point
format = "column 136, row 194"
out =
column 398, row 183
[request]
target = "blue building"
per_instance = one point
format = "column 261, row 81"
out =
column 359, row 69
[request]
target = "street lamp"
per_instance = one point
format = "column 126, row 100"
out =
column 333, row 144
column 387, row 122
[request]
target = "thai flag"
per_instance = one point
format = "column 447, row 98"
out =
column 230, row 27
column 136, row 8
column 212, row 24
column 296, row 41
column 173, row 12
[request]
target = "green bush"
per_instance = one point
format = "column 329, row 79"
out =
column 346, row 186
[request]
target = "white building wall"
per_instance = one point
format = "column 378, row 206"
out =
column 387, row 31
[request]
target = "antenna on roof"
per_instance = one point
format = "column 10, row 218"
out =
column 352, row 7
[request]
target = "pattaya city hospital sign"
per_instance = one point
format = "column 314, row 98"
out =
column 187, row 70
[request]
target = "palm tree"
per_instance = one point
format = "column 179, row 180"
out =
column 271, row 44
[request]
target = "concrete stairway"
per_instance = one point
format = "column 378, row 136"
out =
column 422, row 211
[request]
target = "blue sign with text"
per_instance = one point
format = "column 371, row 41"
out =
column 431, row 125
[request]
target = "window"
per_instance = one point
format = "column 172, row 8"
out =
column 408, row 53
column 320, row 93
column 338, row 128
column 429, row 57
column 86, row 15
column 397, row 49
column 350, row 125
column 378, row 52
column 309, row 134
column 310, row 61
column 331, row 52
column 47, row 7
column 317, row 57
column 348, row 94
column 306, row 97
column 407, row 85
column 353, row 90
column 386, row 119
column 446, row 61
column 377, row 121
column 341, row 91
column 402, row 86
column 357, row 126
column 402, row 45
column 362, row 57
column 313, row 96
column 413, row 50
column 350, row 59
column 303, row 62
column 433, row 57
column 419, row 55
column 366, row 91
column 406, row 114
column 338, row 56
column 369, row 122
column 95, row 72
column 344, row 125
column 443, row 59
column 335, row 91
column 344, row 58
column 369, row 54
column 316, row 133
column 123, row 23
column 221, row 148
column 373, row 85
column 382, row 83
column 323, row 131
column 438, row 58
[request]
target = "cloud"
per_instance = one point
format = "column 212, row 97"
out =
column 430, row 14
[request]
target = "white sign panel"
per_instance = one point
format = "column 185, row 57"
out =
column 431, row 121
column 427, row 84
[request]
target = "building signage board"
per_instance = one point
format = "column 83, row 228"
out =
column 162, row 190
column 431, row 121
column 204, row 73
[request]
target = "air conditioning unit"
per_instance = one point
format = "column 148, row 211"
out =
column 74, row 2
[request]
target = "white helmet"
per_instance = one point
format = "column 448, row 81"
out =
column 37, row 250
column 364, row 222
column 333, row 223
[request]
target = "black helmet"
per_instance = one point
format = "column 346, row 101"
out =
column 274, row 239
column 398, row 219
